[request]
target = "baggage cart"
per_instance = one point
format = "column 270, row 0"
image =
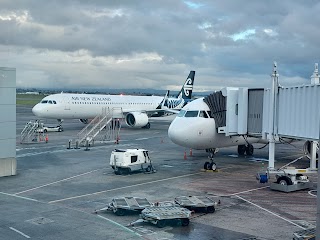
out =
column 164, row 215
column 121, row 206
column 196, row 203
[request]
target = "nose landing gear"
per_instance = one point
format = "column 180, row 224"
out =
column 211, row 165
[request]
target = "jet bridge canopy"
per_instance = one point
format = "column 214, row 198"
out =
column 245, row 111
column 217, row 105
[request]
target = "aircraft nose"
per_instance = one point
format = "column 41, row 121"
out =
column 177, row 133
column 36, row 110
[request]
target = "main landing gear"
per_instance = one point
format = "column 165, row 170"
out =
column 245, row 149
column 211, row 165
column 60, row 122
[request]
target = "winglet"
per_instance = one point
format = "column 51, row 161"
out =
column 163, row 103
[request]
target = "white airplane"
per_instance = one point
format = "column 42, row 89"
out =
column 136, row 109
column 194, row 127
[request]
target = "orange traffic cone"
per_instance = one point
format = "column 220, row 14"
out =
column 47, row 138
column 190, row 152
column 185, row 155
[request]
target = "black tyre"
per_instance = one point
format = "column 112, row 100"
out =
column 185, row 222
column 211, row 209
column 284, row 180
column 60, row 130
column 241, row 149
column 206, row 166
column 213, row 166
column 120, row 212
column 45, row 130
column 249, row 150
column 161, row 223
column 148, row 169
column 147, row 126
column 121, row 171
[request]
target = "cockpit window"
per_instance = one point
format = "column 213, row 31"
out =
column 191, row 114
column 203, row 114
column 49, row 101
column 181, row 113
column 209, row 114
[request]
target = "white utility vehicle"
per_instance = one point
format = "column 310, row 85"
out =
column 45, row 129
column 125, row 161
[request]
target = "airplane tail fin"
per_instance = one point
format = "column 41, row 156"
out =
column 186, row 90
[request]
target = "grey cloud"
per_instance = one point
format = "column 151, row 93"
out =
column 167, row 28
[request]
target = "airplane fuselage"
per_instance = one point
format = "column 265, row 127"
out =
column 136, row 110
column 84, row 106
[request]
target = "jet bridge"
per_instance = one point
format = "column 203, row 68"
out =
column 237, row 111
column 282, row 112
column 271, row 114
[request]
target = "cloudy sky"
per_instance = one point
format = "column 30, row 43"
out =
column 155, row 43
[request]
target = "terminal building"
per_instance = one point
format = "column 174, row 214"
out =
column 8, row 163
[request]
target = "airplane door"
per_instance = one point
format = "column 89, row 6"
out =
column 255, row 111
column 66, row 103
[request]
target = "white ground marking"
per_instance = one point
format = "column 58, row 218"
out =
column 312, row 194
column 277, row 215
column 13, row 195
column 60, row 151
column 246, row 191
column 130, row 186
column 139, row 139
column 17, row 231
column 62, row 180
column 118, row 224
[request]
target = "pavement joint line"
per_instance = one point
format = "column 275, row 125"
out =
column 125, row 187
column 21, row 233
column 62, row 180
column 272, row 213
column 13, row 195
column 118, row 224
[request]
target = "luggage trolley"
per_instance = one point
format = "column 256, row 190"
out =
column 163, row 215
column 196, row 203
column 121, row 206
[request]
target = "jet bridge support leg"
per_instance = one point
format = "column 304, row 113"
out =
column 313, row 153
column 288, row 179
column 272, row 145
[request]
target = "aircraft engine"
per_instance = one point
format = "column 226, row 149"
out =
column 84, row 121
column 137, row 119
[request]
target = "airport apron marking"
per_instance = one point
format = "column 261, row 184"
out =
column 277, row 215
column 118, row 224
column 62, row 180
column 114, row 189
column 13, row 195
column 21, row 233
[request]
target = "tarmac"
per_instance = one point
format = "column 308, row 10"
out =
column 57, row 190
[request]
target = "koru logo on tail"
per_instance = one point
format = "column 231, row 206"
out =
column 187, row 87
